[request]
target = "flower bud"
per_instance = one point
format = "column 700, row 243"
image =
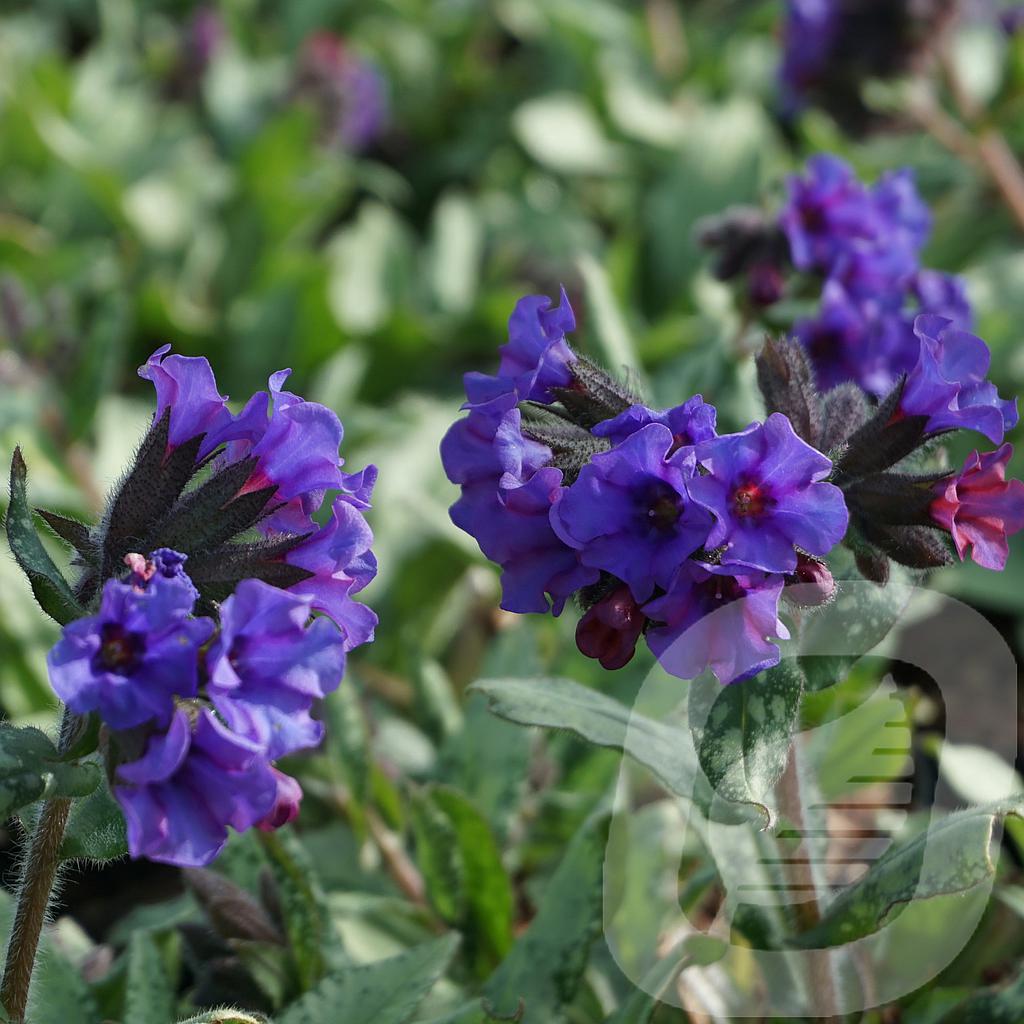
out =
column 610, row 629
column 811, row 585
column 286, row 805
column 787, row 383
column 765, row 284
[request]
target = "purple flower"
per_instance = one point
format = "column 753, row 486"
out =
column 905, row 221
column 870, row 239
column 1011, row 20
column 827, row 211
column 266, row 667
column 296, row 452
column 186, row 386
column 948, row 383
column 286, row 804
column 339, row 556
column 858, row 341
column 131, row 659
column 193, row 781
column 943, row 295
column 508, row 489
column 630, row 511
column 764, row 488
column 535, row 359
column 710, row 617
column 808, row 35
column 161, row 562
column 534, row 560
column 835, row 337
column 690, row 422
column 981, row 508
column 348, row 89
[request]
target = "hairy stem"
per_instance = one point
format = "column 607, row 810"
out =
column 33, row 900
column 38, row 875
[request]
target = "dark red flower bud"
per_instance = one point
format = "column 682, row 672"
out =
column 610, row 629
column 765, row 284
column 811, row 585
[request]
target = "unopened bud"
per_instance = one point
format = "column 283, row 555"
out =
column 610, row 629
column 811, row 585
column 765, row 284
column 787, row 384
column 873, row 566
column 286, row 805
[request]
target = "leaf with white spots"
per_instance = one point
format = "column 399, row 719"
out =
column 742, row 733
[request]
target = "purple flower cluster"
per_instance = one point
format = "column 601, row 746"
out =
column 349, row 91
column 654, row 518
column 865, row 242
column 832, row 47
column 197, row 710
column 200, row 690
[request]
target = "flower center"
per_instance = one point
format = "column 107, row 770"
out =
column 664, row 509
column 120, row 651
column 748, row 500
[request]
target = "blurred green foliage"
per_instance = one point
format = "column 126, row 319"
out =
column 144, row 201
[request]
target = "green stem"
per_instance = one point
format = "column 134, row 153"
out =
column 40, row 871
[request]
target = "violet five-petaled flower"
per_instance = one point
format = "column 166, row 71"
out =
column 713, row 617
column 193, row 781
column 630, row 512
column 134, row 656
column 267, row 666
column 765, row 488
column 507, row 480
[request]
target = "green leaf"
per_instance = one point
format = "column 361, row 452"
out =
column 303, row 906
column 437, row 855
column 639, row 1007
column 385, row 992
column 561, row 131
column 855, row 622
column 553, row 703
column 96, row 830
column 743, row 734
column 543, row 971
column 952, row 856
column 31, row 769
column 50, row 588
column 611, row 332
column 148, row 995
column 486, row 919
column 998, row 1004
column 347, row 746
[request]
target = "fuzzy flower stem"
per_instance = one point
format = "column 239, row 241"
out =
column 40, row 871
